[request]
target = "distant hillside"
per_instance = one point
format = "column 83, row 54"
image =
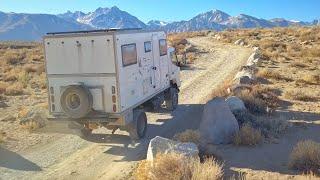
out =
column 19, row 26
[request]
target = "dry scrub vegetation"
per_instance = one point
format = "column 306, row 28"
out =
column 175, row 166
column 22, row 68
column 292, row 59
column 22, row 85
column 305, row 156
column 188, row 136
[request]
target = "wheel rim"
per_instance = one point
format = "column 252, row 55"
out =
column 73, row 101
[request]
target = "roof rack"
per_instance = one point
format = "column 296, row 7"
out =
column 97, row 30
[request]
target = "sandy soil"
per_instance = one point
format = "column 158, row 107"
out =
column 60, row 154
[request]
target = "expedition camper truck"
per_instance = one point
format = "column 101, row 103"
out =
column 108, row 78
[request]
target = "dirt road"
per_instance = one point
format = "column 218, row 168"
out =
column 112, row 156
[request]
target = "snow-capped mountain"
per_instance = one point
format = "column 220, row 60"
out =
column 103, row 18
column 156, row 24
column 20, row 26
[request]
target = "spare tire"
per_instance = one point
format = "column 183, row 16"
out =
column 76, row 101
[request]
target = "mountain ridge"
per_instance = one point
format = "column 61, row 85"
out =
column 23, row 26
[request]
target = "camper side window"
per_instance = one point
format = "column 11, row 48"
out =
column 163, row 47
column 129, row 54
column 147, row 46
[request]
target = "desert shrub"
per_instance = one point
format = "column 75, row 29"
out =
column 31, row 125
column 271, row 127
column 252, row 103
column 30, row 68
column 311, row 78
column 208, row 170
column 247, row 136
column 188, row 136
column 267, row 73
column 10, row 77
column 3, row 87
column 305, row 156
column 297, row 94
column 24, row 78
column 13, row 57
column 176, row 166
column 298, row 65
column 14, row 90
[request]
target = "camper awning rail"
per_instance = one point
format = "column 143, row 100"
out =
column 93, row 31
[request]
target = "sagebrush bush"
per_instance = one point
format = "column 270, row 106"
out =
column 271, row 74
column 188, row 136
column 174, row 166
column 13, row 57
column 247, row 136
column 300, row 95
column 305, row 156
column 252, row 103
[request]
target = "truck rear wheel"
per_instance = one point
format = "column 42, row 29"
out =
column 138, row 127
column 172, row 99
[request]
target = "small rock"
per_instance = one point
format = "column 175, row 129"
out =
column 218, row 124
column 165, row 146
column 235, row 104
column 240, row 42
column 254, row 59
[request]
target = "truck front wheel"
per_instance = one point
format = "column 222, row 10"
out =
column 172, row 98
column 138, row 127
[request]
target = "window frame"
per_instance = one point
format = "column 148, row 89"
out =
column 166, row 53
column 136, row 61
column 145, row 50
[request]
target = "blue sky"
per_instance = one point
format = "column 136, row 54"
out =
column 174, row 10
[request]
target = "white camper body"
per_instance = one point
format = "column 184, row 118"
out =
column 104, row 76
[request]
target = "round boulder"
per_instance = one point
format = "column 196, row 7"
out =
column 235, row 104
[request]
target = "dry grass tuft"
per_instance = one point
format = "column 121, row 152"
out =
column 305, row 156
column 188, row 136
column 14, row 90
column 271, row 74
column 175, row 166
column 252, row 103
column 13, row 57
column 3, row 87
column 208, row 170
column 311, row 78
column 247, row 136
column 299, row 95
column 31, row 125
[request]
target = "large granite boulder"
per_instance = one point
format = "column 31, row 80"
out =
column 235, row 104
column 218, row 124
column 165, row 146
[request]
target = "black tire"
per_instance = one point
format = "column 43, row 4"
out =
column 138, row 127
column 172, row 99
column 76, row 101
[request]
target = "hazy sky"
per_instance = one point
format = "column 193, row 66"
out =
column 174, row 10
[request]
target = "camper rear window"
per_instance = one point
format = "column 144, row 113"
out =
column 163, row 47
column 129, row 54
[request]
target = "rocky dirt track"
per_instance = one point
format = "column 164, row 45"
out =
column 103, row 156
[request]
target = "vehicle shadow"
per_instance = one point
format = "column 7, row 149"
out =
column 12, row 160
column 161, row 123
